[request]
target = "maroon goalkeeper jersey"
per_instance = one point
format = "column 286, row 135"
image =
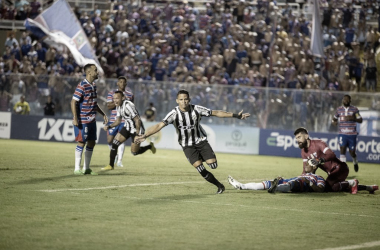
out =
column 319, row 149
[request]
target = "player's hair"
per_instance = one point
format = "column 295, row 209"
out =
column 347, row 96
column 119, row 92
column 88, row 66
column 122, row 77
column 182, row 91
column 301, row 130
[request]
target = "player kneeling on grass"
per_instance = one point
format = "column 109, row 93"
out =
column 127, row 110
column 307, row 182
column 317, row 154
column 191, row 136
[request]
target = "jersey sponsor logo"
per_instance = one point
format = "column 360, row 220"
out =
column 347, row 130
column 91, row 117
column 312, row 156
column 186, row 127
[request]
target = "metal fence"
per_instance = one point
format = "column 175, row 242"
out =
column 269, row 107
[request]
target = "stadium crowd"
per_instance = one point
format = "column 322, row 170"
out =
column 228, row 42
column 224, row 42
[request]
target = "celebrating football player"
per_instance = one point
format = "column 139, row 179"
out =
column 191, row 136
column 127, row 110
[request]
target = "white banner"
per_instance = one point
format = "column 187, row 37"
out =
column 5, row 125
column 225, row 139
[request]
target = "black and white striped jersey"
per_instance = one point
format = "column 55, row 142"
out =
column 187, row 124
column 128, row 111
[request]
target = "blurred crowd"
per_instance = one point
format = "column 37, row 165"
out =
column 226, row 42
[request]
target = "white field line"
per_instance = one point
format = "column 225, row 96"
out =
column 199, row 202
column 119, row 186
column 249, row 206
column 124, row 186
column 359, row 246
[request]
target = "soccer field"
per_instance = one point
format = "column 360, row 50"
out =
column 161, row 202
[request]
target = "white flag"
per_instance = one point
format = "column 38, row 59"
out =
column 316, row 34
column 59, row 26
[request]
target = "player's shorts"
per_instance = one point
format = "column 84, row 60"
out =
column 126, row 133
column 85, row 132
column 201, row 151
column 113, row 131
column 348, row 141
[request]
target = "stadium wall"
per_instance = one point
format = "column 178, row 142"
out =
column 226, row 139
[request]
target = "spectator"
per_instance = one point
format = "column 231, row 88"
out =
column 21, row 107
column 370, row 77
column 5, row 99
column 49, row 109
column 150, row 113
column 11, row 40
column 35, row 9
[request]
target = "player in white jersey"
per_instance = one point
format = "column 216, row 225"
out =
column 111, row 133
column 132, row 126
column 191, row 136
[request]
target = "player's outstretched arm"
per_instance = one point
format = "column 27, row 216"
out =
column 149, row 132
column 225, row 114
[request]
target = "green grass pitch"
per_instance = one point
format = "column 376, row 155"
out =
column 161, row 202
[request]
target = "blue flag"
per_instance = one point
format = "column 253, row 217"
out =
column 59, row 26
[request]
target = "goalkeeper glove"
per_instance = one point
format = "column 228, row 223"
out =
column 316, row 162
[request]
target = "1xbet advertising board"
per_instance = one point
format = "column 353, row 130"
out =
column 28, row 127
column 283, row 143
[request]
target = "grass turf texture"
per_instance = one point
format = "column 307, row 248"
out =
column 44, row 206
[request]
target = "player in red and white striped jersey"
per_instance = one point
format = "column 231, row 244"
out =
column 348, row 116
column 308, row 182
column 84, row 106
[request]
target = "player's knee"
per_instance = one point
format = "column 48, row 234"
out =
column 115, row 144
column 213, row 165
